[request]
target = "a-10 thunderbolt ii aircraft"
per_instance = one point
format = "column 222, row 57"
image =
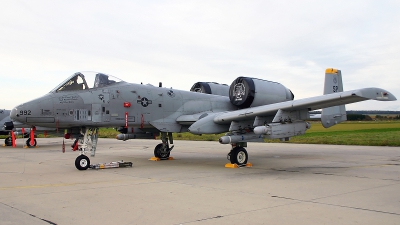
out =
column 19, row 129
column 252, row 110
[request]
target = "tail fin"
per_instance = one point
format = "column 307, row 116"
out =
column 333, row 83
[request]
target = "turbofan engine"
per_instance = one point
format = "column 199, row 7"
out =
column 247, row 92
column 211, row 88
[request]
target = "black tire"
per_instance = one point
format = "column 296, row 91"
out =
column 8, row 141
column 239, row 156
column 28, row 142
column 82, row 162
column 159, row 153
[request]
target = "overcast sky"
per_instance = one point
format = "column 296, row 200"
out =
column 183, row 42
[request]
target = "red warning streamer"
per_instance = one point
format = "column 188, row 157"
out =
column 33, row 136
column 13, row 139
column 126, row 119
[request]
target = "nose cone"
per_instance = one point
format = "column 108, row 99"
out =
column 13, row 114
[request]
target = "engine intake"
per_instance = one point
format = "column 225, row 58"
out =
column 247, row 92
column 211, row 88
column 8, row 125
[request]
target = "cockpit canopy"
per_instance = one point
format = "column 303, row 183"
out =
column 84, row 80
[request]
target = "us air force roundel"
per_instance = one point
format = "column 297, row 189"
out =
column 144, row 102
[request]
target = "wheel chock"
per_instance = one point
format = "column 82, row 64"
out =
column 233, row 166
column 158, row 159
column 230, row 165
column 4, row 145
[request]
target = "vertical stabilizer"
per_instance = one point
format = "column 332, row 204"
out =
column 333, row 83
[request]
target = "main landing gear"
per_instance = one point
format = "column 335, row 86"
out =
column 86, row 141
column 238, row 156
column 162, row 150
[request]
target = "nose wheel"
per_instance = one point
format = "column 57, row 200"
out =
column 8, row 141
column 82, row 162
column 28, row 142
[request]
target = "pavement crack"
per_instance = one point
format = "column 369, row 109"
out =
column 47, row 221
column 336, row 205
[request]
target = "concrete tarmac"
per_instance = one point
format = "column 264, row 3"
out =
column 288, row 184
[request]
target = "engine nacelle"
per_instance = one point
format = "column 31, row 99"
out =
column 211, row 88
column 247, row 92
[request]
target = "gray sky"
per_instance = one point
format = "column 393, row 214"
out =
column 183, row 42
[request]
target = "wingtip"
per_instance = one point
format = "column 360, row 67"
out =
column 386, row 96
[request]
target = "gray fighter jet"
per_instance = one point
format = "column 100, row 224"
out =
column 4, row 117
column 252, row 110
column 25, row 130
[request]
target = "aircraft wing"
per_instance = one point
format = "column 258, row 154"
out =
column 313, row 103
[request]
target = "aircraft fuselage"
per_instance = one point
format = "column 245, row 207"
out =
column 118, row 105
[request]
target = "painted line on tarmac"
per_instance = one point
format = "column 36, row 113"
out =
column 55, row 185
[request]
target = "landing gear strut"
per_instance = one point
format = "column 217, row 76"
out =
column 87, row 141
column 162, row 150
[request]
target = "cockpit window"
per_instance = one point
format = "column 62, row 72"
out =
column 74, row 84
column 80, row 81
column 102, row 80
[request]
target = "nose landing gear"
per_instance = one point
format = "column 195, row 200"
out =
column 86, row 142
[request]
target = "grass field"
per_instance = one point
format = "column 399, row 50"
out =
column 372, row 133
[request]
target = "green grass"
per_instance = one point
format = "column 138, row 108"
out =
column 375, row 133
column 371, row 133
